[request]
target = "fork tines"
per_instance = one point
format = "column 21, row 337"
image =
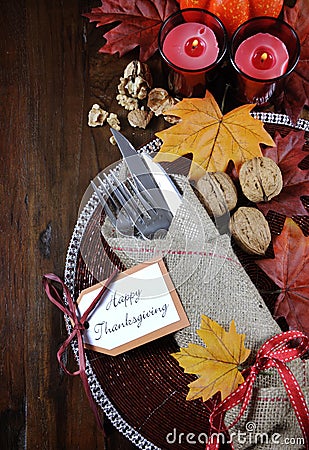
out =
column 129, row 203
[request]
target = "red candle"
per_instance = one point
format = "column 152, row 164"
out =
column 264, row 51
column 192, row 43
column 262, row 56
column 191, row 46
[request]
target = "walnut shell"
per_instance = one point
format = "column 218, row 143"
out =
column 250, row 230
column 260, row 179
column 218, row 192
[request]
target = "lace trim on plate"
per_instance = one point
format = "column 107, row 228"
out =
column 281, row 119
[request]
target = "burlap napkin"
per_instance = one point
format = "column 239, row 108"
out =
column 210, row 280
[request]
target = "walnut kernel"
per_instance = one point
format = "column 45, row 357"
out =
column 96, row 116
column 128, row 103
column 137, row 88
column 250, row 230
column 112, row 140
column 218, row 193
column 139, row 118
column 160, row 101
column 113, row 121
column 136, row 80
column 172, row 119
column 260, row 179
column 136, row 68
column 121, row 86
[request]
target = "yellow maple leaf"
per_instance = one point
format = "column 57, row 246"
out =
column 216, row 364
column 212, row 138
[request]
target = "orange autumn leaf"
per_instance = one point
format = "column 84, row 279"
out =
column 216, row 364
column 212, row 138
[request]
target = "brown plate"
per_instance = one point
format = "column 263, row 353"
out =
column 143, row 392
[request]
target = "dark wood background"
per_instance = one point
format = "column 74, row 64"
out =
column 50, row 75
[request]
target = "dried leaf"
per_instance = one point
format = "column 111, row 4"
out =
column 295, row 91
column 287, row 154
column 290, row 271
column 140, row 23
column 212, row 138
column 216, row 364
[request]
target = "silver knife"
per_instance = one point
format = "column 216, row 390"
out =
column 140, row 169
column 170, row 192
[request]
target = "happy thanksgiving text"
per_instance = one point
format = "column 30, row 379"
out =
column 121, row 303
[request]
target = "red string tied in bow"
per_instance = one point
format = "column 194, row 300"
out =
column 275, row 352
column 79, row 326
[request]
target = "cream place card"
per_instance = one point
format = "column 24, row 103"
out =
column 140, row 305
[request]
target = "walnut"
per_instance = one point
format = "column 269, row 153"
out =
column 250, row 230
column 137, row 88
column 112, row 140
column 121, row 86
column 139, row 118
column 260, row 179
column 128, row 103
column 218, row 193
column 172, row 119
column 136, row 80
column 160, row 101
column 96, row 116
column 113, row 121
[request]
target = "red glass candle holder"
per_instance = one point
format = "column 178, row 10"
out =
column 259, row 89
column 188, row 77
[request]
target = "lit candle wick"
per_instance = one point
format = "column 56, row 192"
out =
column 264, row 57
column 194, row 44
column 195, row 47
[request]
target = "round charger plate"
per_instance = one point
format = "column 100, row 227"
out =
column 143, row 392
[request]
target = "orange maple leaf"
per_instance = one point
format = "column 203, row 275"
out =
column 216, row 364
column 212, row 138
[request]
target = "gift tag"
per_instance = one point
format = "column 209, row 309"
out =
column 140, row 305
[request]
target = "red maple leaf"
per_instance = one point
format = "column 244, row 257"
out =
column 287, row 154
column 140, row 22
column 290, row 271
column 295, row 91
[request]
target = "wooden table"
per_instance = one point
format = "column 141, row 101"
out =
column 51, row 75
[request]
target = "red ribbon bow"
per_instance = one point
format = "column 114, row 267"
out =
column 78, row 329
column 275, row 352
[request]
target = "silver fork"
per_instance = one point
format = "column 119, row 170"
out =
column 132, row 210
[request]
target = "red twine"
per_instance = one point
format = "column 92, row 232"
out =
column 78, row 329
column 275, row 352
